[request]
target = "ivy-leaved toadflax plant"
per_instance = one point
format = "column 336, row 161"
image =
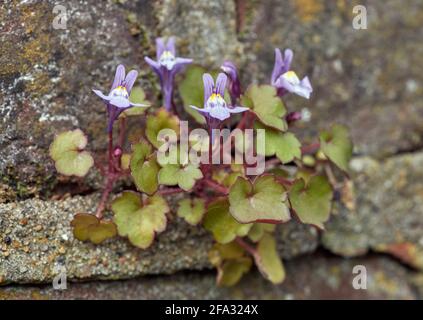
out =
column 205, row 160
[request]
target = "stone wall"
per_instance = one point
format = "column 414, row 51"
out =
column 370, row 80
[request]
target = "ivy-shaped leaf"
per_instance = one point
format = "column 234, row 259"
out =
column 262, row 201
column 336, row 144
column 268, row 261
column 221, row 224
column 284, row 145
column 231, row 263
column 192, row 210
column 144, row 168
column 138, row 221
column 191, row 91
column 258, row 230
column 137, row 96
column 89, row 227
column 68, row 155
column 312, row 201
column 184, row 176
column 162, row 119
column 228, row 178
column 264, row 102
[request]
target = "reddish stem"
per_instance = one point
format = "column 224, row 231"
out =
column 216, row 186
column 311, row 148
column 251, row 250
column 169, row 191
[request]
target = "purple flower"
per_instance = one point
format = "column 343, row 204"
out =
column 286, row 80
column 215, row 107
column 234, row 85
column 118, row 98
column 166, row 67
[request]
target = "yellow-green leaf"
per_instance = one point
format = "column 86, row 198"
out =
column 261, row 201
column 144, row 168
column 140, row 221
column 67, row 151
column 89, row 227
column 264, row 102
column 192, row 210
column 221, row 224
column 268, row 261
column 162, row 119
column 336, row 144
column 311, row 201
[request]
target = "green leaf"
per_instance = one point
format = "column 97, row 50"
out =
column 191, row 91
column 89, row 227
column 337, row 146
column 144, row 168
column 192, row 210
column 268, row 107
column 268, row 261
column 138, row 221
column 284, row 145
column 221, row 224
column 159, row 121
column 258, row 230
column 263, row 201
column 312, row 201
column 183, row 176
column 231, row 263
column 68, row 155
column 137, row 96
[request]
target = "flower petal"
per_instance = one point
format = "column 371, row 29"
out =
column 120, row 102
column 287, row 59
column 238, row 109
column 220, row 113
column 154, row 65
column 221, row 84
column 101, row 95
column 208, row 86
column 204, row 110
column 130, row 80
column 138, row 104
column 119, row 77
column 277, row 68
column 170, row 46
column 160, row 47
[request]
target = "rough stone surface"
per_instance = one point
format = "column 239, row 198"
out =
column 370, row 80
column 311, row 277
column 37, row 240
column 389, row 210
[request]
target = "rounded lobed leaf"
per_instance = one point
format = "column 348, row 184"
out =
column 192, row 210
column 284, row 145
column 221, row 224
column 138, row 221
column 312, row 201
column 230, row 261
column 262, row 201
column 258, row 230
column 89, row 227
column 67, row 152
column 144, row 168
column 183, row 176
column 162, row 119
column 264, row 102
column 336, row 144
column 268, row 261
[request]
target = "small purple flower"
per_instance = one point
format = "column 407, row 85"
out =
column 215, row 107
column 229, row 68
column 118, row 98
column 166, row 67
column 286, row 80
